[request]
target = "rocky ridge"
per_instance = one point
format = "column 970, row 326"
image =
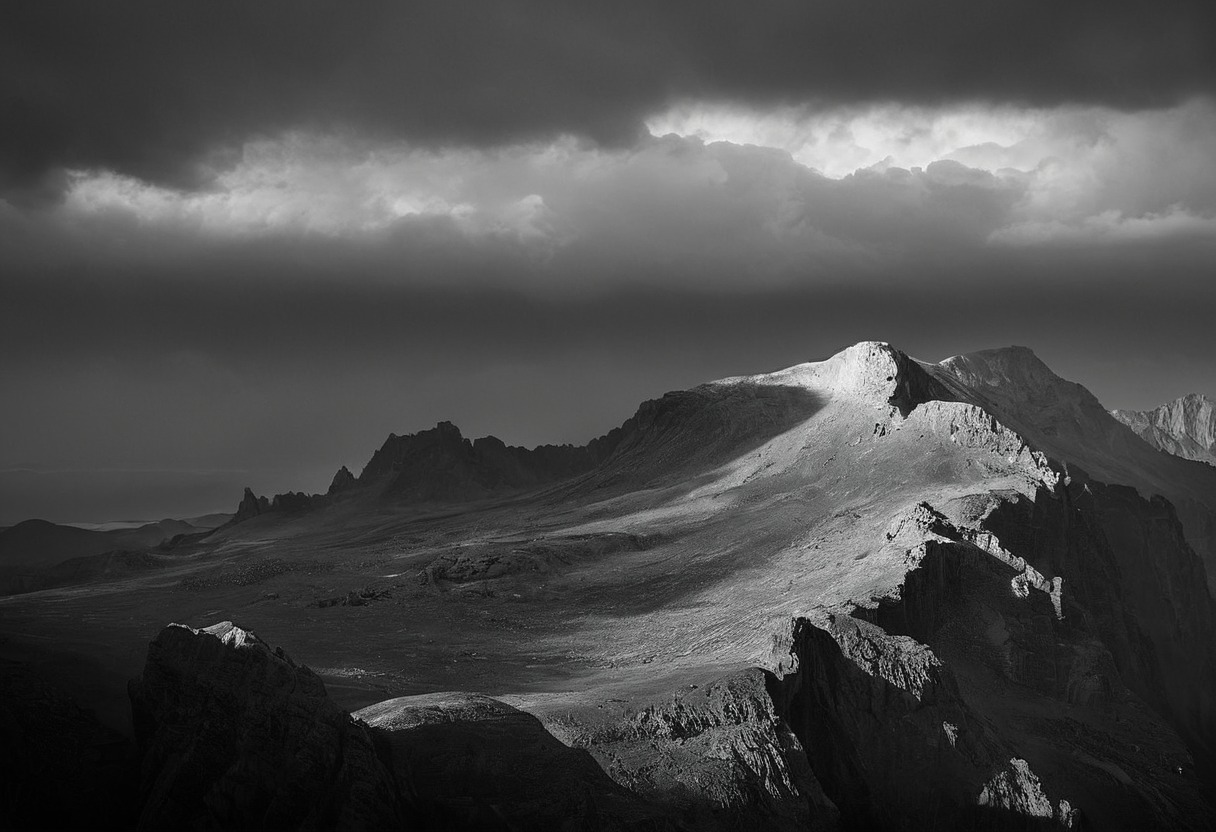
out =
column 440, row 464
column 233, row 734
column 1185, row 427
column 1068, row 424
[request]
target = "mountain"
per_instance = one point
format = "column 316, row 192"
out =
column 208, row 521
column 440, row 464
column 39, row 543
column 1070, row 425
column 1185, row 427
column 859, row 593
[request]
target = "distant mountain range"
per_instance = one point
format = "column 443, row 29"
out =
column 39, row 543
column 1185, row 427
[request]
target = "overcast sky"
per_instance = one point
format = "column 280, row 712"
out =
column 242, row 242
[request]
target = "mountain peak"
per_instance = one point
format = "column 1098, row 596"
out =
column 1002, row 366
column 342, row 481
column 876, row 369
column 868, row 370
column 1185, row 427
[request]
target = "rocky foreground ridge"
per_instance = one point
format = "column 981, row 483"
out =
column 863, row 593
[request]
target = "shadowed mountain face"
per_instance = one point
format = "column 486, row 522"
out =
column 441, row 465
column 1069, row 424
column 1185, row 427
column 860, row 593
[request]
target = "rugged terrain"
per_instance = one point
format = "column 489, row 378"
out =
column 862, row 593
column 1185, row 427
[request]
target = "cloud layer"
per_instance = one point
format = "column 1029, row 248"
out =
column 737, row 199
column 157, row 89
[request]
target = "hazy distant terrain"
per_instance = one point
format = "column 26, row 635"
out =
column 104, row 496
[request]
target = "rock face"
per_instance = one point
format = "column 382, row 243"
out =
column 1137, row 586
column 441, row 465
column 1068, row 424
column 290, row 502
column 294, row 502
column 473, row 762
column 251, row 506
column 233, row 735
column 1185, row 427
column 889, row 737
column 1026, row 666
column 344, row 480
column 718, row 756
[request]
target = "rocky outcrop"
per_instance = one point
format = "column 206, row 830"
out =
column 295, row 502
column 442, row 465
column 718, row 756
column 1136, row 585
column 343, row 480
column 1067, row 423
column 472, row 762
column 1045, row 663
column 251, row 506
column 886, row 730
column 289, row 502
column 60, row 768
column 876, row 370
column 1185, row 427
column 234, row 735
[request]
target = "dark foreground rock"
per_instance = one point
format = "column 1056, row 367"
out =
column 472, row 762
column 234, row 735
column 60, row 768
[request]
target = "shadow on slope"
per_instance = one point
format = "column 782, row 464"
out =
column 472, row 762
column 1065, row 421
column 673, row 439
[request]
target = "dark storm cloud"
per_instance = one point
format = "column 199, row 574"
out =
column 155, row 89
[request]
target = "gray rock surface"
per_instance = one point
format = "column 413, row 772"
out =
column 1185, row 427
column 343, row 480
column 251, row 506
column 234, row 735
